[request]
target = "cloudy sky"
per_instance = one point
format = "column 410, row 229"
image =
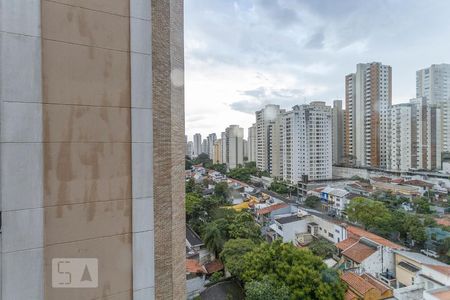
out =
column 241, row 55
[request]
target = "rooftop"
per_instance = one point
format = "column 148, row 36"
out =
column 357, row 283
column 420, row 258
column 441, row 269
column 359, row 232
column 420, row 183
column 359, row 252
column 193, row 238
column 271, row 208
column 213, row 266
column 290, row 219
column 346, row 243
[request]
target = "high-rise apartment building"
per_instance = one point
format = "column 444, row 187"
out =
column 197, row 144
column 205, row 148
column 368, row 97
column 217, row 152
column 252, row 143
column 338, row 115
column 190, row 149
column 223, row 136
column 414, row 140
column 400, row 142
column 234, row 146
column 245, row 143
column 92, row 148
column 307, row 142
column 211, row 140
column 268, row 151
column 425, row 132
column 434, row 84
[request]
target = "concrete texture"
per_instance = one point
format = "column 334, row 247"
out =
column 169, row 149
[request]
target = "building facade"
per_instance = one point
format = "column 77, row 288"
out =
column 197, row 144
column 268, row 152
column 92, row 147
column 252, row 143
column 234, row 146
column 433, row 83
column 211, row 140
column 217, row 152
column 307, row 142
column 338, row 131
column 400, row 143
column 368, row 97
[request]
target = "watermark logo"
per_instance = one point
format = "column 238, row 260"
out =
column 74, row 273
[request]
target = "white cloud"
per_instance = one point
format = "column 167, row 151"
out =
column 294, row 50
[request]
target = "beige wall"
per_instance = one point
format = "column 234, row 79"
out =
column 87, row 134
column 404, row 276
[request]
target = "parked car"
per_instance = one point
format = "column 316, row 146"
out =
column 431, row 253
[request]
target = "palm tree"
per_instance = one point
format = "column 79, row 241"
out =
column 213, row 238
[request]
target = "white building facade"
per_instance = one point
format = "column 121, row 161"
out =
column 268, row 122
column 252, row 143
column 307, row 142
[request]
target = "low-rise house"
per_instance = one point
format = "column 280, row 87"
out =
column 195, row 248
column 419, row 276
column 288, row 226
column 437, row 294
column 301, row 227
column 365, row 287
column 407, row 191
column 423, row 186
column 360, row 188
column 266, row 213
column 365, row 252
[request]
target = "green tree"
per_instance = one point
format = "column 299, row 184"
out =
column 221, row 190
column 422, row 206
column 213, row 238
column 193, row 202
column 303, row 273
column 266, row 289
column 279, row 187
column 216, row 276
column 370, row 213
column 233, row 253
column 312, row 201
column 190, row 185
column 202, row 159
column 244, row 226
column 187, row 163
column 322, row 248
column 429, row 221
column 222, row 168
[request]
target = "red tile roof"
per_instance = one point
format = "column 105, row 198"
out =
column 383, row 288
column 357, row 283
column 271, row 208
column 382, row 179
column 213, row 266
column 193, row 266
column 359, row 252
column 358, row 232
column 349, row 295
column 346, row 243
column 420, row 183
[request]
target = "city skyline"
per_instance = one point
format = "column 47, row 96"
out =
column 307, row 61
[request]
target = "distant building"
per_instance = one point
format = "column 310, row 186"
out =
column 205, row 146
column 368, row 96
column 211, row 140
column 433, row 83
column 197, row 144
column 252, row 143
column 338, row 115
column 234, row 146
column 217, row 152
column 245, row 143
column 414, row 139
column 268, row 122
column 307, row 142
column 190, row 149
